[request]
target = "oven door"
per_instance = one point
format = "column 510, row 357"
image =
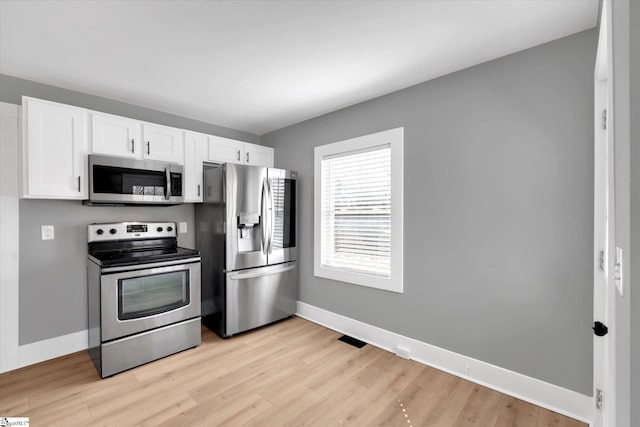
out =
column 140, row 298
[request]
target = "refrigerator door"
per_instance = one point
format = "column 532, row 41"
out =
column 210, row 240
column 246, row 190
column 281, row 240
column 260, row 296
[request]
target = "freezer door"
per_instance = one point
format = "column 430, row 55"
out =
column 281, row 242
column 246, row 212
column 260, row 296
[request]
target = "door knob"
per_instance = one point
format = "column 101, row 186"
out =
column 600, row 329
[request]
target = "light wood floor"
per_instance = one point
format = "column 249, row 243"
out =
column 293, row 373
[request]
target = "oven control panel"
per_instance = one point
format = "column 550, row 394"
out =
column 131, row 230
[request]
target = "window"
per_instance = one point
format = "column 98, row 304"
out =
column 358, row 210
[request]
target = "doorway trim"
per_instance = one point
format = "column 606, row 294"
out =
column 604, row 228
column 9, row 229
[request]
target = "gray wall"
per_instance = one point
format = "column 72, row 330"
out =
column 12, row 89
column 53, row 296
column 498, row 211
column 635, row 210
column 53, row 273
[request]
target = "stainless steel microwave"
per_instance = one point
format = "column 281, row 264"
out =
column 120, row 181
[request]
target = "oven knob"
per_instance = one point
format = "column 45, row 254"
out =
column 99, row 231
column 113, row 231
column 159, row 229
column 169, row 228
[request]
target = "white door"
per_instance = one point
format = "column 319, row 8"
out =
column 258, row 155
column 116, row 136
column 604, row 235
column 225, row 150
column 195, row 152
column 162, row 143
column 55, row 148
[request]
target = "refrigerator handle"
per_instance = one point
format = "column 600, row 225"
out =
column 271, row 215
column 263, row 215
column 248, row 274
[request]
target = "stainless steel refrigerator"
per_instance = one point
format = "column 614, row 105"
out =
column 246, row 234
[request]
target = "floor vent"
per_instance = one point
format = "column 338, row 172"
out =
column 352, row 341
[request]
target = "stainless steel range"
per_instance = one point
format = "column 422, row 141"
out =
column 144, row 294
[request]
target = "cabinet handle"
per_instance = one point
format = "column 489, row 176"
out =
column 133, row 147
column 148, row 147
column 238, row 155
column 198, row 190
column 78, row 184
column 247, row 157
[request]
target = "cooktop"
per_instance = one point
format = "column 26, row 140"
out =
column 132, row 243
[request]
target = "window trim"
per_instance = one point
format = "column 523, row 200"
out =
column 394, row 138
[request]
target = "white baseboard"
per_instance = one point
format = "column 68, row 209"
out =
column 546, row 395
column 40, row 351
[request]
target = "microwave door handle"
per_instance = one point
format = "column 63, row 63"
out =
column 167, row 193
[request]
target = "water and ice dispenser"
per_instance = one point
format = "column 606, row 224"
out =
column 249, row 232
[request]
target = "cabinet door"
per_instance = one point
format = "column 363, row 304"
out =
column 225, row 150
column 195, row 152
column 55, row 150
column 163, row 143
column 114, row 135
column 258, row 155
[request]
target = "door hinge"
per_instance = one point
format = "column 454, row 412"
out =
column 601, row 260
column 599, row 399
column 604, row 118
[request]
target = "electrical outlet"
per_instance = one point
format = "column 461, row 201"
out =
column 183, row 227
column 47, row 232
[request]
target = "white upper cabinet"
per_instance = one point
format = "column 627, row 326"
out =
column 195, row 152
column 54, row 150
column 120, row 136
column 116, row 136
column 225, row 150
column 162, row 143
column 258, row 155
column 57, row 139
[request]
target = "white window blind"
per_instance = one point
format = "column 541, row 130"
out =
column 356, row 211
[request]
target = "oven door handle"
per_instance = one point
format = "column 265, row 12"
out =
column 137, row 267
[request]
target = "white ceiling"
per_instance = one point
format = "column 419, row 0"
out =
column 258, row 66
